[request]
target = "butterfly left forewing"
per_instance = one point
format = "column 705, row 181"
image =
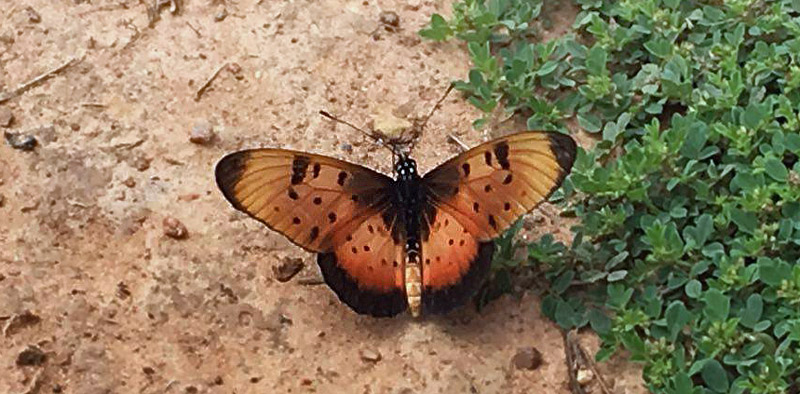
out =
column 490, row 186
column 308, row 198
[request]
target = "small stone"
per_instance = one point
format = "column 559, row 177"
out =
column 2, row 200
column 306, row 382
column 347, row 148
column 122, row 290
column 389, row 19
column 221, row 14
column 141, row 163
column 21, row 321
column 173, row 228
column 148, row 370
column 234, row 68
column 527, row 358
column 191, row 390
column 21, row 141
column 255, row 379
column 74, row 126
column 33, row 16
column 218, row 381
column 370, row 355
column 288, row 269
column 584, row 376
column 6, row 117
column 31, row 356
column 202, row 133
column 129, row 182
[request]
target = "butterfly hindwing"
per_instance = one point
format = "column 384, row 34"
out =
column 487, row 188
column 454, row 263
column 365, row 268
column 337, row 209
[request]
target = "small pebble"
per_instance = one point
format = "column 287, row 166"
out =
column 173, row 228
column 141, row 163
column 31, row 356
column 191, row 390
column 288, row 269
column 2, row 200
column 347, row 148
column 234, row 68
column 218, row 381
column 527, row 358
column 148, row 370
column 202, row 133
column 584, row 376
column 6, row 117
column 21, row 141
column 370, row 355
column 221, row 14
column 130, row 182
column 389, row 19
column 33, row 16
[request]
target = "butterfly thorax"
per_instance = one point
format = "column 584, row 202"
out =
column 409, row 199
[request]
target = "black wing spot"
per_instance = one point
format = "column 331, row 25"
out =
column 331, row 217
column 487, row 188
column 428, row 261
column 355, row 250
column 314, row 233
column 462, row 242
column 492, row 222
column 317, row 200
column 366, row 248
column 296, row 220
column 276, row 208
column 395, row 263
column 455, row 190
column 476, row 207
column 501, row 152
column 315, row 171
column 508, row 179
column 299, row 166
column 384, row 262
column 342, row 177
column 507, row 206
column 370, row 229
column 446, row 222
column 465, row 167
column 349, row 238
column 438, row 259
column 293, row 194
column 451, row 242
column 488, row 157
column 354, row 197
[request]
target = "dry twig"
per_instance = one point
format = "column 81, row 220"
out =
column 206, row 85
column 35, row 81
column 458, row 142
column 576, row 358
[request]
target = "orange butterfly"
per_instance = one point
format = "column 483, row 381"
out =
column 417, row 242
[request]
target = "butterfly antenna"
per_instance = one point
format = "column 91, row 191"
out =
column 360, row 130
column 433, row 110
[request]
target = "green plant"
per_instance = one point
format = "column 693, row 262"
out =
column 687, row 248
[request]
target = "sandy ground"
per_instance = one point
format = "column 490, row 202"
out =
column 115, row 306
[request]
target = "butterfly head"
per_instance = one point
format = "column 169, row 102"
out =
column 406, row 168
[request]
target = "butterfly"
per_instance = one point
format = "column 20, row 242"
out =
column 385, row 245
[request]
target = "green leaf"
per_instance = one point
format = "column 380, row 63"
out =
column 596, row 60
column 752, row 311
column 717, row 305
column 600, row 323
column 659, row 47
column 746, row 221
column 677, row 316
column 693, row 288
column 617, row 275
column 562, row 282
column 439, row 29
column 715, row 376
column 776, row 170
column 589, row 122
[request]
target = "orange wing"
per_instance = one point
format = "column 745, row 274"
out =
column 488, row 188
column 473, row 198
column 340, row 210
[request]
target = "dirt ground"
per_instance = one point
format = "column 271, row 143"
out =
column 95, row 298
